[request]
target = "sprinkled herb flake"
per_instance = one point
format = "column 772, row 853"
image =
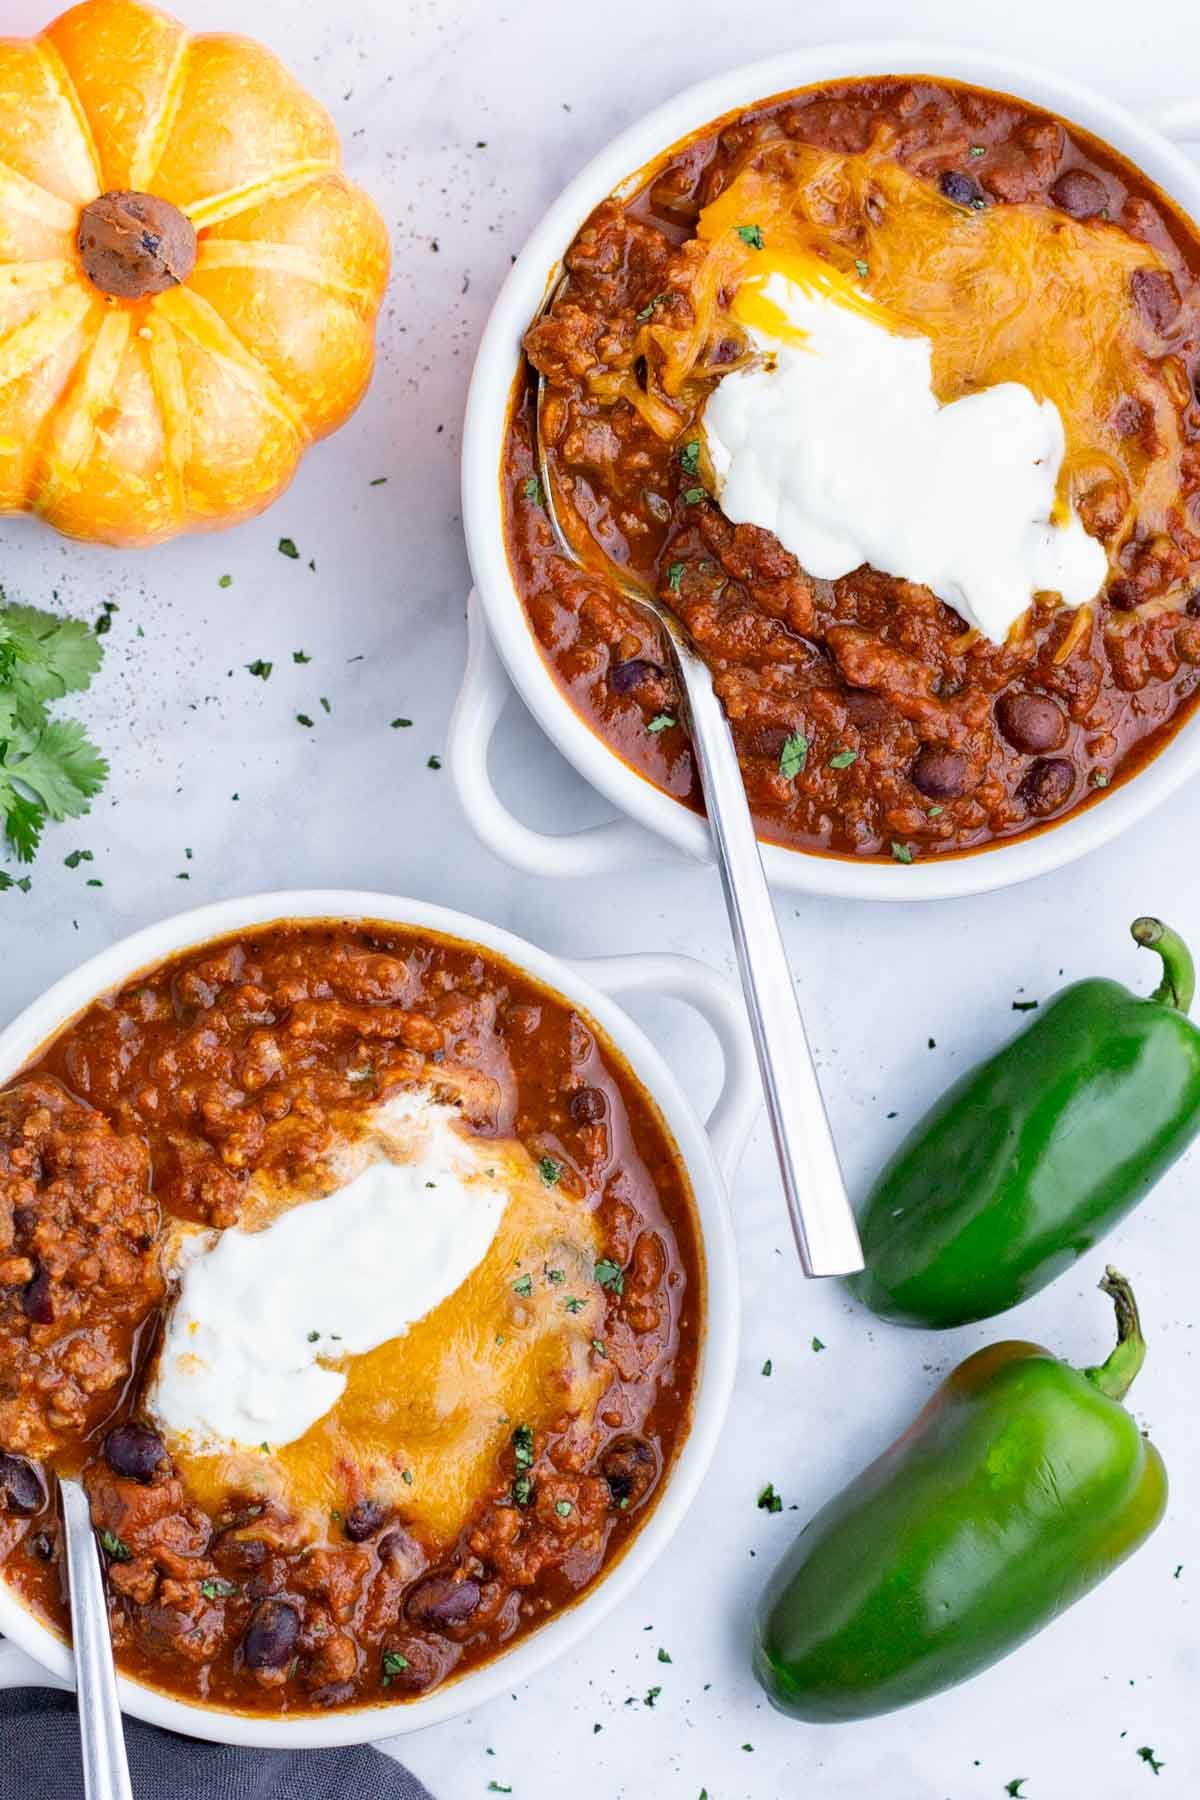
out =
column 689, row 457
column 393, row 1664
column 433, row 762
column 662, row 722
column 675, row 576
column 76, row 857
column 522, row 1490
column 572, row 1304
column 523, row 1446
column 1025, row 1005
column 215, row 1589
column 767, row 1366
column 533, row 490
column 1013, row 1787
column 287, row 547
column 301, row 656
column 901, row 852
column 563, row 1508
column 303, row 719
column 1148, row 1757
column 401, row 724
column 379, row 481
column 551, row 1174
column 663, row 1655
column 599, row 1348
column 651, row 307
column 652, row 1695
column 610, row 1276
column 769, row 1500
column 694, row 495
column 817, row 1346
column 978, row 150
column 494, row 1787
column 793, row 756
column 260, row 668
column 114, row 1547
column 843, row 759
column 1099, row 778
column 225, row 581
column 523, row 1286
column 864, row 269
column 752, row 235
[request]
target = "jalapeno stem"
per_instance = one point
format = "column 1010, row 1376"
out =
column 1178, row 984
column 1116, row 1376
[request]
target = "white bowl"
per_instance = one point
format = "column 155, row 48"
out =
column 34, row 1656
column 612, row 847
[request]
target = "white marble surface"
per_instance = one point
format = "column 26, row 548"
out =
column 416, row 88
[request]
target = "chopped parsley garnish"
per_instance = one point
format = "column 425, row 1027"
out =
column 48, row 767
column 301, row 656
column 572, row 1304
column 1099, row 778
column 1013, row 1787
column 817, row 1345
column 556, row 1276
column 651, row 307
column 1147, row 1755
column 864, row 269
column 494, row 1787
column 287, row 547
column 901, row 852
column 610, row 1276
column 598, row 1347
column 114, row 1547
column 752, row 235
column 393, row 1664
column 216, row 1589
column 563, row 1508
column 793, row 755
column 769, row 1500
column 303, row 719
column 225, row 581
column 401, row 724
column 379, row 481
column 550, row 1171
column 766, row 1368
column 694, row 495
column 689, row 457
column 522, row 1490
column 533, row 490
column 433, row 762
column 935, row 812
column 313, row 1336
column 76, row 857
column 978, row 150
column 260, row 668
column 1024, row 1005
column 663, row 1656
column 662, row 722
column 103, row 624
column 522, row 1443
column 843, row 759
column 652, row 1695
column 523, row 1286
column 406, row 1476
column 675, row 576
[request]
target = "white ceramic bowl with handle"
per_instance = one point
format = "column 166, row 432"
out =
column 34, row 1656
column 502, row 645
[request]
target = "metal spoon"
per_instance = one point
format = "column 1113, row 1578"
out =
column 818, row 1205
column 102, row 1741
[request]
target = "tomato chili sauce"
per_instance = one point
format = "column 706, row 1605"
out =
column 868, row 720
column 235, row 1063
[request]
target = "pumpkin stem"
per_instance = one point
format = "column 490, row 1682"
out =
column 133, row 245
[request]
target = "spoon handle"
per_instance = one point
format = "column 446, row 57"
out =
column 819, row 1207
column 105, row 1770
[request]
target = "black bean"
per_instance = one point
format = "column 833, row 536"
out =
column 960, row 188
column 625, row 675
column 586, row 1106
column 630, row 1467
column 363, row 1520
column 443, row 1602
column 21, row 1487
column 941, row 774
column 135, row 1452
column 37, row 1302
column 1157, row 297
column 1031, row 723
column 271, row 1638
column 1048, row 785
column 1080, row 193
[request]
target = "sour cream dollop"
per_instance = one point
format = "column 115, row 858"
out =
column 260, row 1315
column 839, row 445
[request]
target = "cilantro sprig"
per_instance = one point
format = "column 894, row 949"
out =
column 49, row 769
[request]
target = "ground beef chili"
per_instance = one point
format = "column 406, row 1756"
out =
column 919, row 738
column 160, row 1103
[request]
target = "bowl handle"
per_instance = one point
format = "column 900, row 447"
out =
column 1179, row 120
column 719, row 1003
column 597, row 850
column 20, row 1671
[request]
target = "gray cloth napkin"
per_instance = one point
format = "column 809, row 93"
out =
column 39, row 1760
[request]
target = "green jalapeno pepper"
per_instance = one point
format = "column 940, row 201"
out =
column 1020, row 1486
column 1028, row 1160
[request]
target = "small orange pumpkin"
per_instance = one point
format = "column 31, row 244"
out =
column 188, row 280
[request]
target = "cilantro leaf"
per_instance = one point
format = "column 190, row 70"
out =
column 48, row 768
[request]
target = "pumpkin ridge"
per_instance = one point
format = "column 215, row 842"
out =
column 190, row 313
column 220, row 207
column 36, row 202
column 166, row 377
column 34, row 340
column 144, row 163
column 60, row 77
column 282, row 259
column 75, row 426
